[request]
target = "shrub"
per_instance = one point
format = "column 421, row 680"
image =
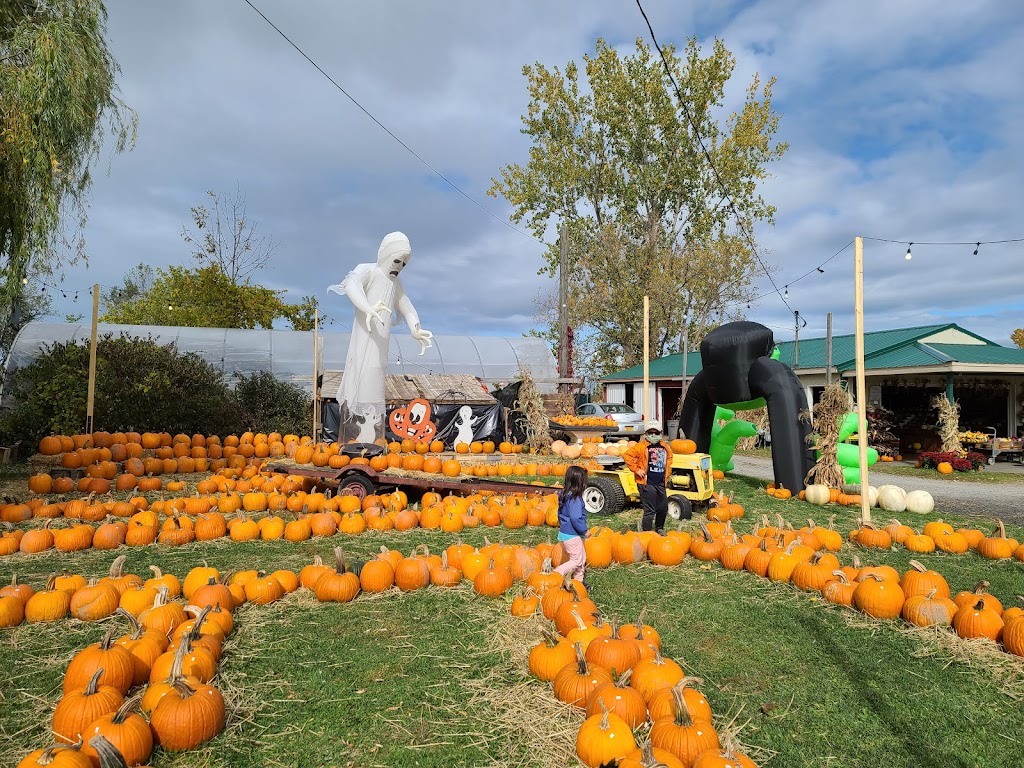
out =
column 140, row 386
column 271, row 405
column 972, row 461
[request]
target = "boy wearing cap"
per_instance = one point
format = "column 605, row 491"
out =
column 650, row 461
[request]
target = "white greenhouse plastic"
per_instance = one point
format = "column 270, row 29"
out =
column 289, row 354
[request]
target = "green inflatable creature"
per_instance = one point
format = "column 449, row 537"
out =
column 849, row 453
column 724, row 437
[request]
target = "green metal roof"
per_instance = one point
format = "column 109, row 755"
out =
column 991, row 354
column 662, row 368
column 898, row 348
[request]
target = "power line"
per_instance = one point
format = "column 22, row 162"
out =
column 951, row 242
column 387, row 130
column 711, row 163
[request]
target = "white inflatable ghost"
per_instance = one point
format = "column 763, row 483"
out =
column 379, row 300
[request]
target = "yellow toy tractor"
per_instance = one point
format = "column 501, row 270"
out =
column 689, row 486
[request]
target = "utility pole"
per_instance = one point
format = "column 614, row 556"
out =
column 828, row 349
column 91, row 396
column 563, row 298
column 796, row 342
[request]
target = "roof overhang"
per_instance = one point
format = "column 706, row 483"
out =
column 952, row 367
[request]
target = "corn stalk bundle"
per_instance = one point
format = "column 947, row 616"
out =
column 829, row 413
column 531, row 405
column 949, row 423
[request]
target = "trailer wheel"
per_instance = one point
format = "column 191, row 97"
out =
column 354, row 485
column 603, row 497
column 679, row 508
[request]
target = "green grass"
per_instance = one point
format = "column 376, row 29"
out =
column 394, row 680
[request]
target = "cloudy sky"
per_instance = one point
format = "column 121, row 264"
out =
column 904, row 120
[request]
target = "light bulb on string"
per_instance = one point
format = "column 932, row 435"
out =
column 909, row 255
column 822, row 271
column 787, row 291
column 976, row 247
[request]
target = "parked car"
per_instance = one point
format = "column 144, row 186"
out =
column 630, row 423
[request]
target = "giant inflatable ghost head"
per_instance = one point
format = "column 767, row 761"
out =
column 378, row 298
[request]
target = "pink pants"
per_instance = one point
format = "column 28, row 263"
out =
column 577, row 557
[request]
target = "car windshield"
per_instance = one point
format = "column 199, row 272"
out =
column 616, row 408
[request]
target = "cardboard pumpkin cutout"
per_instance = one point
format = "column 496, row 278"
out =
column 412, row 421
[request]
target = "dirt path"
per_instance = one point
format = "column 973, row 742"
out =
column 974, row 499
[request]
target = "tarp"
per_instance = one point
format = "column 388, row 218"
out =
column 422, row 421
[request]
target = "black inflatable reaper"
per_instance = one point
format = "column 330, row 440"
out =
column 739, row 373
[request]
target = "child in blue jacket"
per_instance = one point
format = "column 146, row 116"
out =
column 572, row 522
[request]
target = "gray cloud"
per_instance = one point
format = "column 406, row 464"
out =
column 903, row 120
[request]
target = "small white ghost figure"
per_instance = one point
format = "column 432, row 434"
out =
column 464, row 423
column 377, row 295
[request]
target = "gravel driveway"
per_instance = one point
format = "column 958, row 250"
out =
column 974, row 499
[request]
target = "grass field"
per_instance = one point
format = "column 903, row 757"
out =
column 438, row 678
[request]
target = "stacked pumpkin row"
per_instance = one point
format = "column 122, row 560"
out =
column 433, row 465
column 921, row 596
column 204, row 518
column 942, row 536
column 160, row 668
column 620, row 678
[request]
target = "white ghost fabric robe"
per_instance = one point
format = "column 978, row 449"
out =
column 370, row 286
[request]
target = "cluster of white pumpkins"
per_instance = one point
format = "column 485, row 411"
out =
column 891, row 498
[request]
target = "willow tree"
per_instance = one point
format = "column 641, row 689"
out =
column 58, row 100
column 618, row 158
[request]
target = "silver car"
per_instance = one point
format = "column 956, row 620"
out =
column 630, row 423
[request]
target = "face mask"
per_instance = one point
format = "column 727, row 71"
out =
column 653, row 437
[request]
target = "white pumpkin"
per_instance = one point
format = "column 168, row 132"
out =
column 572, row 451
column 557, row 447
column 920, row 502
column 892, row 498
column 854, row 489
column 817, row 494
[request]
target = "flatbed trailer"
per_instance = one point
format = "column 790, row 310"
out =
column 361, row 480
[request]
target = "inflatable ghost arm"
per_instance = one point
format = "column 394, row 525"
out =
column 412, row 319
column 353, row 288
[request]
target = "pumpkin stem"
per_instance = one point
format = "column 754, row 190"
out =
column 184, row 690
column 117, row 567
column 856, row 562
column 841, row 575
column 931, row 593
column 197, row 623
column 1000, row 529
column 581, row 660
column 130, row 704
column 580, row 624
column 605, row 725
column 51, row 582
column 682, row 712
column 980, row 605
column 550, row 638
column 980, row 587
column 622, row 681
column 109, row 755
column 107, row 640
column 94, row 682
column 918, row 566
column 51, row 752
column 157, row 573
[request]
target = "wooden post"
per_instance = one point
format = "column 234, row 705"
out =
column 91, row 397
column 647, row 358
column 828, row 349
column 563, row 299
column 316, row 389
column 862, row 395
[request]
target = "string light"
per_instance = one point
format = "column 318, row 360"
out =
column 976, row 247
column 822, row 271
column 786, row 292
column 909, row 255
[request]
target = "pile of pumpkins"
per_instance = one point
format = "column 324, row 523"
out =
column 588, row 450
column 891, row 498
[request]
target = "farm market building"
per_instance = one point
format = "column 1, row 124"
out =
column 905, row 367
